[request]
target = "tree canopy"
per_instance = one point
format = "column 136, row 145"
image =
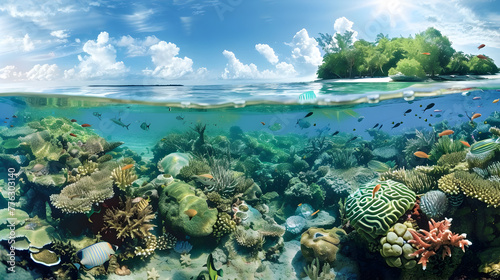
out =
column 428, row 54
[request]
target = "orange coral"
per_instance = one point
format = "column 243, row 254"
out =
column 439, row 235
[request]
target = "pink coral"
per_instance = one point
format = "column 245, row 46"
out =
column 439, row 235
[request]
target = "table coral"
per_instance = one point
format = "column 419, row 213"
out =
column 372, row 214
column 438, row 237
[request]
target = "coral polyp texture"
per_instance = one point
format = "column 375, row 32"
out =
column 372, row 214
column 123, row 178
column 438, row 238
column 471, row 185
column 130, row 220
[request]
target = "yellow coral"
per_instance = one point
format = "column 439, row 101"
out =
column 471, row 185
column 123, row 178
column 449, row 184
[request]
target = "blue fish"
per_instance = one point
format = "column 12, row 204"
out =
column 119, row 122
column 307, row 96
column 95, row 255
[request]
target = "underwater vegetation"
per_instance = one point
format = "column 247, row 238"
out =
column 249, row 201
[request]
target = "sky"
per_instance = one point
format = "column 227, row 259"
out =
column 213, row 41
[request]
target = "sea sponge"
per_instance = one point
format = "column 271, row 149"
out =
column 434, row 204
column 373, row 216
column 322, row 244
column 80, row 196
column 395, row 247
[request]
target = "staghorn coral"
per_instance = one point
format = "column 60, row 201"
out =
column 434, row 204
column 438, row 238
column 224, row 225
column 87, row 168
column 129, row 220
column 80, row 196
column 123, row 178
column 372, row 217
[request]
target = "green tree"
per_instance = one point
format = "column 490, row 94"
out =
column 433, row 42
column 458, row 64
column 479, row 66
column 409, row 68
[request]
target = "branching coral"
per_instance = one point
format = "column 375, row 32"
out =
column 438, row 237
column 80, row 196
column 225, row 181
column 416, row 181
column 130, row 220
column 87, row 168
column 445, row 145
column 123, row 178
column 344, row 159
column 313, row 271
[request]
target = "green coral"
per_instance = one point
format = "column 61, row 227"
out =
column 224, row 225
column 195, row 167
column 87, row 168
column 178, row 197
column 452, row 159
column 395, row 247
column 445, row 145
column 415, row 180
column 373, row 217
column 11, row 143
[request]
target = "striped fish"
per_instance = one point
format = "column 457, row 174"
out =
column 95, row 255
column 378, row 166
column 484, row 146
column 307, row 96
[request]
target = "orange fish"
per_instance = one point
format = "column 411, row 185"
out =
column 300, row 204
column 263, row 123
column 480, row 56
column 315, row 212
column 11, row 125
column 465, row 143
column 426, row 53
column 421, row 154
column 481, row 46
column 375, row 189
column 72, row 134
column 73, row 120
column 191, row 213
column 208, row 176
column 446, row 132
column 475, row 116
column 128, row 166
column 496, row 100
column 86, row 125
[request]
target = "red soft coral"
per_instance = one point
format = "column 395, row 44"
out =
column 439, row 235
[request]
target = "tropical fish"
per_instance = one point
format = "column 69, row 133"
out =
column 460, row 115
column 335, row 133
column 476, row 98
column 11, row 125
column 481, row 46
column 480, row 56
column 275, row 127
column 375, row 126
column 14, row 116
column 191, row 213
column 308, row 114
column 213, row 274
column 315, row 212
column 378, row 166
column 380, row 127
column 307, row 96
column 429, row 106
column 300, row 204
column 73, row 120
column 375, row 189
column 119, row 122
column 263, row 123
column 465, row 143
column 95, row 255
column 438, row 115
column 72, row 134
column 421, row 154
column 137, row 199
column 128, row 166
column 179, row 118
column 484, row 146
column 466, row 93
column 475, row 116
column 496, row 100
column 208, row 176
column 446, row 132
column 408, row 111
column 96, row 114
column 37, row 167
column 396, row 125
column 86, row 125
column 145, row 126
column 426, row 53
column 361, row 118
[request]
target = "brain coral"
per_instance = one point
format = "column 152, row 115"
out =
column 372, row 217
column 434, row 204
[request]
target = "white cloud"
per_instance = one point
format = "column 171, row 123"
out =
column 267, row 52
column 9, row 73
column 137, row 47
column 61, row 34
column 305, row 53
column 235, row 69
column 28, row 44
column 43, row 72
column 99, row 62
column 141, row 21
column 187, row 22
column 168, row 64
column 342, row 25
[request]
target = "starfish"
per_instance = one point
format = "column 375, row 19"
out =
column 153, row 274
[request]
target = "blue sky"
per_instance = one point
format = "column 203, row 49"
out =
column 213, row 41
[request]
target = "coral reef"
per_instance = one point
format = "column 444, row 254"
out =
column 166, row 241
column 471, row 185
column 313, row 271
column 395, row 247
column 372, row 217
column 123, row 178
column 80, row 196
column 195, row 167
column 321, row 244
column 129, row 220
column 295, row 224
column 224, row 179
column 490, row 262
column 438, row 238
column 149, row 246
column 224, row 225
column 173, row 163
column 434, row 204
column 249, row 238
column 415, row 180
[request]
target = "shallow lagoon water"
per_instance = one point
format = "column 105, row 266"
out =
column 259, row 132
